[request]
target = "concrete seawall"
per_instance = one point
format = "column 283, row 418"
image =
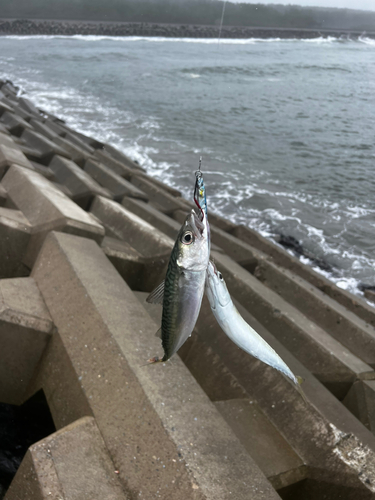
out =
column 58, row 27
column 85, row 234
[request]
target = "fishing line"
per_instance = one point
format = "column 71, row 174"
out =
column 222, row 19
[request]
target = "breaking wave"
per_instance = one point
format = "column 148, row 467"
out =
column 208, row 41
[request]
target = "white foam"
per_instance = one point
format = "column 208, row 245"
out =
column 156, row 39
column 367, row 41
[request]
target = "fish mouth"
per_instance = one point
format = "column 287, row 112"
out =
column 211, row 268
column 196, row 224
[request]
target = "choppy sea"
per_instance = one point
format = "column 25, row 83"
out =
column 286, row 128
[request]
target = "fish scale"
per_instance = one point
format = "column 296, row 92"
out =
column 170, row 307
column 183, row 288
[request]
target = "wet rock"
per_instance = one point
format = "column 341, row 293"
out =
column 293, row 244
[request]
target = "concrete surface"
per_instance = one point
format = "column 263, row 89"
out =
column 46, row 208
column 162, row 432
column 25, row 328
column 58, row 468
column 116, row 184
column 124, row 225
column 82, row 186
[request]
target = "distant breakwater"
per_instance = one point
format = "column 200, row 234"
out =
column 69, row 28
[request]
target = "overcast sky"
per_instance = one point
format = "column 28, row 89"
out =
column 349, row 4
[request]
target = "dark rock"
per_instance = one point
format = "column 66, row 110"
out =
column 293, row 244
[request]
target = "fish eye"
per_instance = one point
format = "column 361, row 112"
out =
column 187, row 238
column 220, row 276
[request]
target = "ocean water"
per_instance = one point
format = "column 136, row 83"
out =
column 286, row 128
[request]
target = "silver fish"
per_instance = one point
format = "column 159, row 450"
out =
column 183, row 288
column 233, row 324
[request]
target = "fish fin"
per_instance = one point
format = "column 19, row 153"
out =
column 300, row 381
column 158, row 333
column 154, row 360
column 157, row 295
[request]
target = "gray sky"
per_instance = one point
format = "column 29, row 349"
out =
column 349, row 4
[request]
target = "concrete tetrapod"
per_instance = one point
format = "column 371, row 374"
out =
column 331, row 362
column 46, row 208
column 10, row 156
column 107, row 178
column 282, row 258
column 83, row 187
column 337, row 450
column 124, row 225
column 335, row 319
column 25, row 328
column 165, row 437
column 15, row 231
column 70, row 464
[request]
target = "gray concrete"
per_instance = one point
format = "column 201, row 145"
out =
column 3, row 196
column 71, row 464
column 45, row 146
column 320, row 429
column 19, row 111
column 43, row 170
column 139, row 272
column 116, row 184
column 4, row 130
column 157, row 219
column 165, row 187
column 81, row 185
column 32, row 154
column 128, row 262
column 360, row 400
column 342, row 324
column 28, row 106
column 163, row 434
column 269, row 449
column 226, row 373
column 47, row 208
column 54, row 127
column 76, row 153
column 74, row 138
column 331, row 362
column 370, row 295
column 117, row 155
column 11, row 102
column 4, row 108
column 150, row 214
column 284, row 259
column 8, row 141
column 9, row 89
column 43, row 128
column 124, row 225
column 357, row 335
column 91, row 142
column 11, row 156
column 25, row 328
column 15, row 124
column 167, row 202
column 63, row 189
column 119, row 168
column 15, row 232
